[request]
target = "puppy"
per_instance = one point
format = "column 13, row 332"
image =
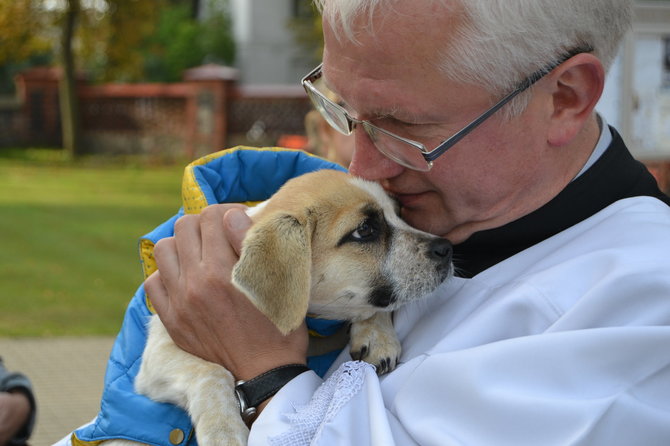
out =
column 326, row 244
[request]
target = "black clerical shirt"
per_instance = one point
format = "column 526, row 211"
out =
column 614, row 176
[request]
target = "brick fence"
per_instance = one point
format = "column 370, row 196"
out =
column 204, row 113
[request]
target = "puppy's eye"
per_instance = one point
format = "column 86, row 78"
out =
column 369, row 230
column 366, row 231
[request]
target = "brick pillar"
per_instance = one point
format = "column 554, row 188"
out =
column 207, row 108
column 37, row 90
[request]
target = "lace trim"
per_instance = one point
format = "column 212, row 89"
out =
column 308, row 421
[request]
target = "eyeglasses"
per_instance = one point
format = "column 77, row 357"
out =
column 406, row 152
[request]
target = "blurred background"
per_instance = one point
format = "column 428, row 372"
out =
column 166, row 78
column 103, row 102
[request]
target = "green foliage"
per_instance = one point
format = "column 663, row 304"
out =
column 307, row 30
column 19, row 20
column 20, row 46
column 181, row 42
column 116, row 40
column 110, row 40
column 69, row 261
column 174, row 46
column 217, row 38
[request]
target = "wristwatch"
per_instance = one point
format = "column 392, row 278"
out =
column 253, row 392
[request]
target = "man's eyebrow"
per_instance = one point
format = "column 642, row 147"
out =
column 372, row 114
column 397, row 116
column 388, row 116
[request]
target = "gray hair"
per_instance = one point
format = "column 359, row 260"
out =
column 500, row 42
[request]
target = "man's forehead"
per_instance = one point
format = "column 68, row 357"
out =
column 393, row 44
column 365, row 75
column 362, row 103
column 353, row 19
column 368, row 90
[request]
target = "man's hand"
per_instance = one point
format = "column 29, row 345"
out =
column 202, row 310
column 14, row 413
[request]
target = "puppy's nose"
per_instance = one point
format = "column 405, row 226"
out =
column 440, row 249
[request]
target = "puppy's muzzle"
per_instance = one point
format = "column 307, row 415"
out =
column 440, row 250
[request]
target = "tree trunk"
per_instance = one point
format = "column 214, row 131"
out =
column 69, row 103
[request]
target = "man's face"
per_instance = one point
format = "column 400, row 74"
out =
column 391, row 78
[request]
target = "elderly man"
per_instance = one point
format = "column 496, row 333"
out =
column 478, row 116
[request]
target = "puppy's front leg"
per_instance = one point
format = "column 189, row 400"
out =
column 374, row 340
column 205, row 390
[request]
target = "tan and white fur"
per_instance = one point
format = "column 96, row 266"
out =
column 327, row 244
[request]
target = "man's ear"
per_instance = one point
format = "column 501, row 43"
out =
column 274, row 269
column 576, row 88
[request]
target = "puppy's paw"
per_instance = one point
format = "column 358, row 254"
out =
column 373, row 342
column 231, row 432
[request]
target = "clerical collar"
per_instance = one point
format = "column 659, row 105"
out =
column 613, row 176
column 603, row 143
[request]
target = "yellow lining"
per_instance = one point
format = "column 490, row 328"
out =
column 315, row 334
column 78, row 442
column 148, row 266
column 147, row 256
column 193, row 198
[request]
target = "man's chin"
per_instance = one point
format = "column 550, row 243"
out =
column 420, row 219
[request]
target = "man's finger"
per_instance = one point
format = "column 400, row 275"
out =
column 236, row 223
column 215, row 246
column 157, row 293
column 188, row 241
column 167, row 260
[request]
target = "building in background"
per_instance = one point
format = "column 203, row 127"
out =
column 637, row 92
column 267, row 52
column 262, row 102
column 636, row 99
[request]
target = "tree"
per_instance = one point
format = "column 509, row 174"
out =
column 20, row 45
column 111, row 40
column 26, row 30
column 69, row 104
column 307, row 29
column 18, row 21
column 77, row 34
column 180, row 41
column 118, row 40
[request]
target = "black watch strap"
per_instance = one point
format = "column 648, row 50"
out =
column 254, row 391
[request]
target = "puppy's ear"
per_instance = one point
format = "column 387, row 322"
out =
column 274, row 269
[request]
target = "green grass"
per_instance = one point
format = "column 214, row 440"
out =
column 68, row 239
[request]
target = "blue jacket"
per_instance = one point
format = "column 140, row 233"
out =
column 238, row 175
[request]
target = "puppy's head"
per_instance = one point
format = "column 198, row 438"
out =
column 334, row 245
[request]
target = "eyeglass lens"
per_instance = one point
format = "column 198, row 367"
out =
column 396, row 149
column 332, row 114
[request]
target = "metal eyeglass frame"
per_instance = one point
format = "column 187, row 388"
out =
column 440, row 149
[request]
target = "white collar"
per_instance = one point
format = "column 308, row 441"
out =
column 604, row 142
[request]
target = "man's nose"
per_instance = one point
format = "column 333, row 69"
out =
column 368, row 162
